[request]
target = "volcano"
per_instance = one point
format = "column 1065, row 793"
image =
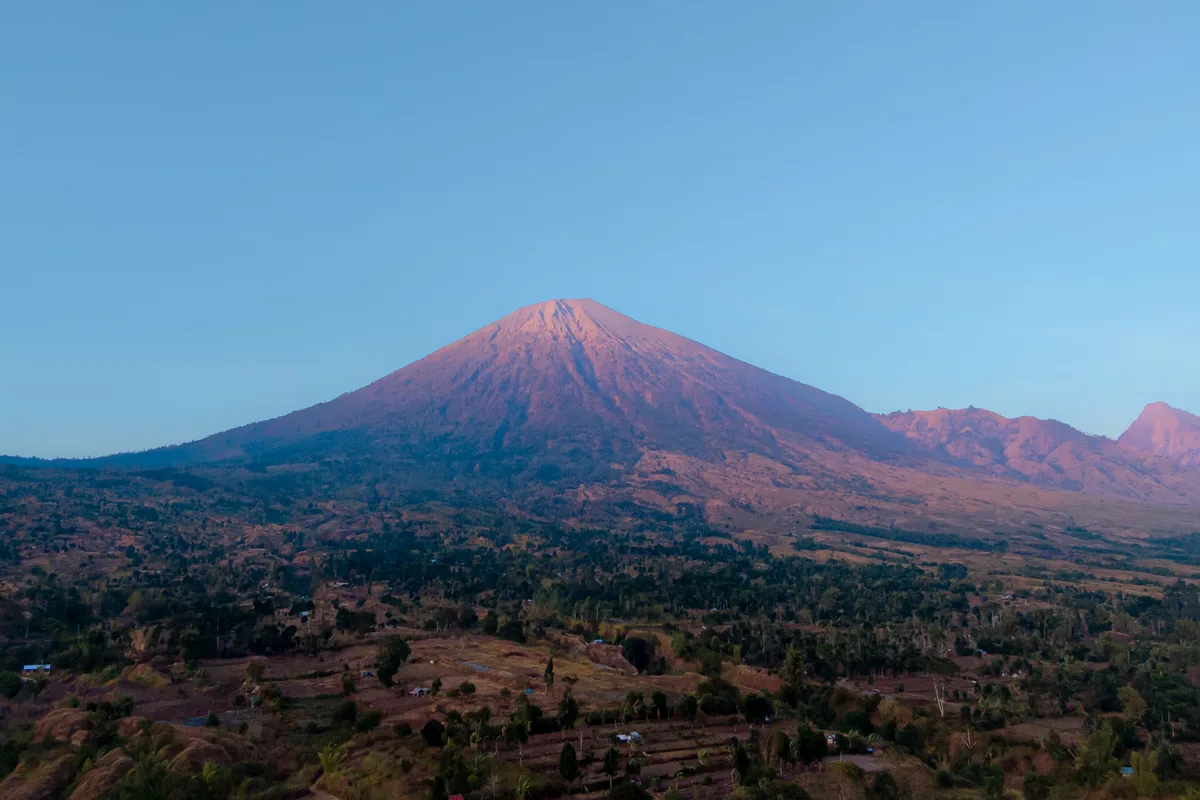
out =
column 561, row 387
column 567, row 405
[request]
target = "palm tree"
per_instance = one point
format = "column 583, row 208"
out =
column 524, row 786
column 702, row 757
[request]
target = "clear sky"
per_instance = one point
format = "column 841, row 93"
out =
column 214, row 213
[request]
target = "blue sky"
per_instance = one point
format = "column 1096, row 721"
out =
column 218, row 213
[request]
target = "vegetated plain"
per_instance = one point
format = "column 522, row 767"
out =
column 258, row 638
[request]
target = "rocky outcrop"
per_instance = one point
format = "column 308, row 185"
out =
column 61, row 725
column 43, row 782
column 103, row 776
column 196, row 754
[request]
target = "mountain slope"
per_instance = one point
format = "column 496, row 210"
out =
column 568, row 408
column 1045, row 452
column 569, row 385
column 1167, row 432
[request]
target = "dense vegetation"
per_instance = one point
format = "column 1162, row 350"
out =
column 105, row 571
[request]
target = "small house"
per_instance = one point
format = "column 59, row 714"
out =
column 36, row 669
column 419, row 691
column 1127, row 772
column 597, row 641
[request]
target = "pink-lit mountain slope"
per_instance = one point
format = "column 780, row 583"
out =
column 1045, row 452
column 1167, row 432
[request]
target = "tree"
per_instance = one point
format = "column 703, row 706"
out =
column 568, row 711
column 151, row 777
column 368, row 721
column 1037, row 785
column 548, row 674
column 883, row 787
column 1145, row 774
column 659, row 701
column 435, row 687
column 1097, row 756
column 808, row 745
column 858, row 721
column 434, row 733
column 10, row 684
column 1132, row 704
column 391, row 654
column 741, row 764
column 629, row 791
column 779, row 747
column 568, row 765
column 612, row 764
column 516, row 732
column 691, row 707
column 757, row 708
column 793, row 666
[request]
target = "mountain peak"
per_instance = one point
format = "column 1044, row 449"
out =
column 584, row 321
column 1160, row 409
column 1168, row 432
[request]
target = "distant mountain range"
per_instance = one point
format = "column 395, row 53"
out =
column 571, row 399
column 1051, row 453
